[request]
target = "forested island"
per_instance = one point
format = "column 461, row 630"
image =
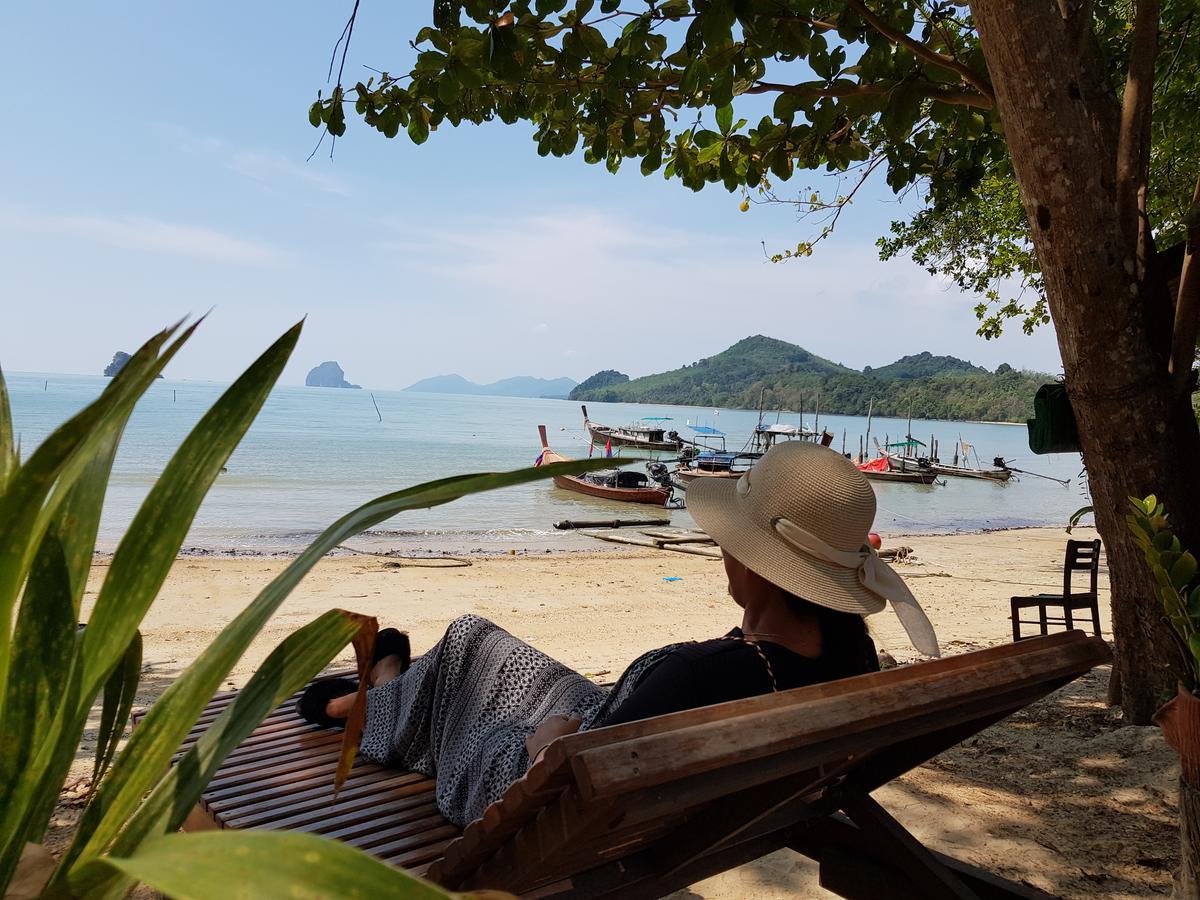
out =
column 789, row 377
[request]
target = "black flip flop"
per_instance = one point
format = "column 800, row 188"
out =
column 392, row 642
column 311, row 705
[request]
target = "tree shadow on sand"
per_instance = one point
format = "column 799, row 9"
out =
column 1060, row 796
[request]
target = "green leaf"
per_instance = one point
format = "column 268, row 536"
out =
column 1077, row 515
column 204, row 866
column 1183, row 571
column 721, row 93
column 119, row 693
column 28, row 504
column 1194, row 646
column 290, row 666
column 725, row 118
column 154, row 741
column 8, row 450
column 1193, row 603
column 43, row 644
column 418, row 125
column 148, row 550
column 1163, row 541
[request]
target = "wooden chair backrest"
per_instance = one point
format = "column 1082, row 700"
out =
column 605, row 794
column 1082, row 556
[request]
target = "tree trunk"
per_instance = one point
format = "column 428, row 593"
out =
column 1187, row 882
column 1138, row 431
column 1139, row 435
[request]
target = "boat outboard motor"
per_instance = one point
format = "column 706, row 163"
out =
column 659, row 473
column 999, row 463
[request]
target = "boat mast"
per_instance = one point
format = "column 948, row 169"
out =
column 870, row 408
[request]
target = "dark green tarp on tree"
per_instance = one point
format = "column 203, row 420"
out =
column 1052, row 428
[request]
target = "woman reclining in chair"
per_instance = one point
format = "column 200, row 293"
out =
column 478, row 708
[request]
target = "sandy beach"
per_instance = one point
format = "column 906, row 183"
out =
column 1060, row 796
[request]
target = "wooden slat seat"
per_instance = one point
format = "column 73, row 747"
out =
column 641, row 809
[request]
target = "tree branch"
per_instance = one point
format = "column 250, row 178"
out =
column 1187, row 304
column 1133, row 141
column 820, row 89
column 925, row 52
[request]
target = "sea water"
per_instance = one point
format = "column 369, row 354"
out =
column 315, row 453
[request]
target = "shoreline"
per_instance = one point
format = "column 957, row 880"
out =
column 449, row 545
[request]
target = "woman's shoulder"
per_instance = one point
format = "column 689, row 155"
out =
column 721, row 646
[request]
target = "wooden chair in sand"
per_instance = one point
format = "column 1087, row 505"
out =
column 1081, row 556
column 646, row 808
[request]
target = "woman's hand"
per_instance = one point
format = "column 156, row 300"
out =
column 548, row 731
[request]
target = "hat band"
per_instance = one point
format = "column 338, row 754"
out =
column 874, row 574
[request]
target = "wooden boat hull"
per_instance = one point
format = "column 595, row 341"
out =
column 928, row 477
column 985, row 474
column 602, row 435
column 656, row 496
column 619, row 437
column 686, row 476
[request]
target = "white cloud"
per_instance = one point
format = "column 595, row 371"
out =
column 146, row 235
column 652, row 296
column 267, row 167
column 274, row 167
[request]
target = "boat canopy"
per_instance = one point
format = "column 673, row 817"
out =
column 655, row 419
column 879, row 464
column 707, row 429
column 911, row 442
column 781, row 428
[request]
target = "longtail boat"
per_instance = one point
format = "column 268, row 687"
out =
column 645, row 434
column 881, row 468
column 965, row 472
column 706, row 457
column 610, row 484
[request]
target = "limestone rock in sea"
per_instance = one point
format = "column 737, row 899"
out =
column 329, row 374
column 118, row 363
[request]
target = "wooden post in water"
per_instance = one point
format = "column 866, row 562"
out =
column 377, row 412
column 173, row 398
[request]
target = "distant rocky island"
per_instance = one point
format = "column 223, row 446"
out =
column 329, row 374
column 787, row 376
column 519, row 386
column 118, row 363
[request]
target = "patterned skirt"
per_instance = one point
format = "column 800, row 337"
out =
column 462, row 711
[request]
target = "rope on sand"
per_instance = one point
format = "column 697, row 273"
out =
column 419, row 562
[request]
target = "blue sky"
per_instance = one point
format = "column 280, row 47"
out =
column 154, row 165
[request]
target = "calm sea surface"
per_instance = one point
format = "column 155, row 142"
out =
column 315, row 453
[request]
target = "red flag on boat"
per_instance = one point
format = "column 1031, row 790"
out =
column 608, row 449
column 538, row 461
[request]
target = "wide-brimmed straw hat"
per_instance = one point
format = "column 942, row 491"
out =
column 800, row 519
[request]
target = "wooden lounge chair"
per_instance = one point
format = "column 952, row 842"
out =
column 1081, row 556
column 645, row 808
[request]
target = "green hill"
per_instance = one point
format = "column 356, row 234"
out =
column 790, row 377
column 591, row 387
column 922, row 365
column 720, row 380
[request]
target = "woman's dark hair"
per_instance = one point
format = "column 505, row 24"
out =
column 844, row 640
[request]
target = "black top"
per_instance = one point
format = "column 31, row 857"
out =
column 716, row 671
